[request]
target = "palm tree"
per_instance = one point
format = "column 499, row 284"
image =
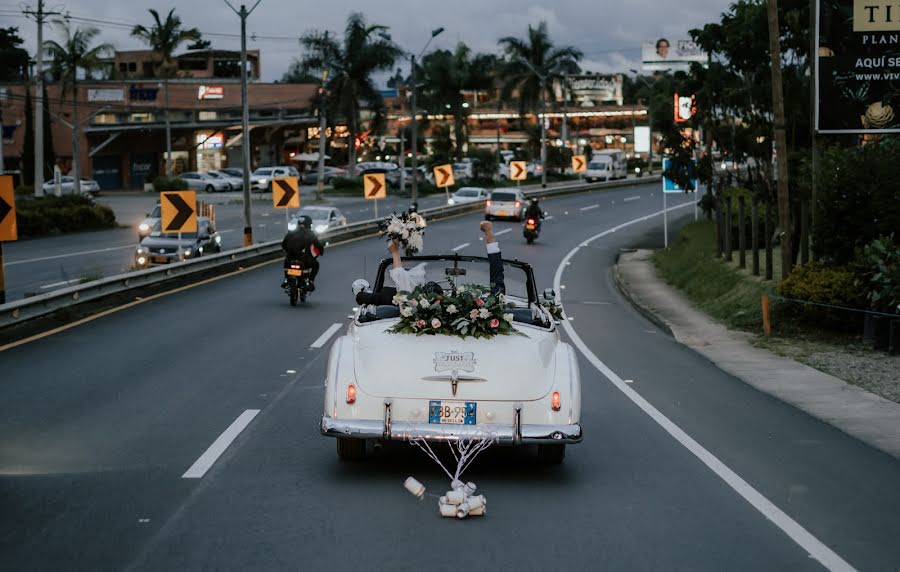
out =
column 74, row 53
column 538, row 52
column 350, row 65
column 164, row 37
column 445, row 75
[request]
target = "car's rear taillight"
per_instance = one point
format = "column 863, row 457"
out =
column 488, row 203
column 554, row 402
column 351, row 394
column 518, row 204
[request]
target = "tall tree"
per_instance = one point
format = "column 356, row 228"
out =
column 537, row 51
column 350, row 65
column 164, row 37
column 75, row 53
column 445, row 76
column 13, row 58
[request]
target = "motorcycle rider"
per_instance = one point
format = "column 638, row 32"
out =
column 303, row 245
column 534, row 211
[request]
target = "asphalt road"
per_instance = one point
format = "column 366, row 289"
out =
column 99, row 423
column 43, row 265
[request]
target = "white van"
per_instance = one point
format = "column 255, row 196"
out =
column 606, row 165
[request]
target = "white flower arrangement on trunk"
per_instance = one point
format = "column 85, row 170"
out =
column 408, row 229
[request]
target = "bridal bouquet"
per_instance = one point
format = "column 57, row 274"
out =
column 407, row 229
column 470, row 311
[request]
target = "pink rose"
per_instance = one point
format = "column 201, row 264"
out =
column 421, row 323
column 473, row 314
column 479, row 302
column 495, row 323
column 435, row 323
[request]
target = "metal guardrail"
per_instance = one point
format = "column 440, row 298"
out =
column 30, row 308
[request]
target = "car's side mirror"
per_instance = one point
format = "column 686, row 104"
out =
column 360, row 285
column 550, row 295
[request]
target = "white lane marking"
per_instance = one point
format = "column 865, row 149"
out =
column 631, row 198
column 63, row 283
column 813, row 546
column 588, row 208
column 460, row 247
column 504, row 231
column 323, row 339
column 211, row 455
column 57, row 256
column 548, row 218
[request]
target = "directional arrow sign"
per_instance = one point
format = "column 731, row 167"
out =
column 8, row 231
column 579, row 163
column 285, row 193
column 518, row 170
column 443, row 176
column 179, row 211
column 374, row 186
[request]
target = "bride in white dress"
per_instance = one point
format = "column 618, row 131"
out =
column 405, row 280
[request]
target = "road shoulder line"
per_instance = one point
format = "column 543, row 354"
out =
column 870, row 418
column 212, row 454
column 326, row 335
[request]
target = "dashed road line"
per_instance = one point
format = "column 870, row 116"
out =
column 588, row 208
column 504, row 231
column 211, row 455
column 460, row 247
column 626, row 199
column 323, row 339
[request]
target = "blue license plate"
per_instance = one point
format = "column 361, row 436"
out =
column 452, row 412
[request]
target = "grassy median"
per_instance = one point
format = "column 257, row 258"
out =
column 722, row 291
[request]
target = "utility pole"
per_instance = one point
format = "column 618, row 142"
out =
column 414, row 147
column 784, row 205
column 323, row 124
column 243, row 13
column 2, row 162
column 813, row 78
column 543, row 132
column 39, row 16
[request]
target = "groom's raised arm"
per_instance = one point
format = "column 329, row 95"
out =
column 495, row 259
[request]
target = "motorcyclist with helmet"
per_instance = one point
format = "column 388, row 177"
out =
column 534, row 211
column 304, row 246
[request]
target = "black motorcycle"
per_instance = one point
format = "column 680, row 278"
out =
column 531, row 230
column 298, row 282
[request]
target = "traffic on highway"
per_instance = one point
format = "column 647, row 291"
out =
column 448, row 289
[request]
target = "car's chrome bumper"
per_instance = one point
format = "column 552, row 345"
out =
column 402, row 431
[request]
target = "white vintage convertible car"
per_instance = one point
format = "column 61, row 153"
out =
column 518, row 389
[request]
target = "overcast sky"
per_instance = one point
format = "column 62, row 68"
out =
column 609, row 33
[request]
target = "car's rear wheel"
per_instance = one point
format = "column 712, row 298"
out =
column 551, row 454
column 351, row 449
column 209, row 189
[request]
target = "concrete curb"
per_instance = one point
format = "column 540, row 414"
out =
column 855, row 411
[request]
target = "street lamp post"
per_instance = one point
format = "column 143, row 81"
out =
column 543, row 119
column 414, row 146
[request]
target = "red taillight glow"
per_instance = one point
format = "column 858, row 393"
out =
column 518, row 204
column 295, row 266
column 351, row 394
column 531, row 221
column 554, row 401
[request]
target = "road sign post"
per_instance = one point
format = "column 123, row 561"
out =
column 178, row 213
column 444, row 178
column 670, row 186
column 286, row 195
column 374, row 188
column 518, row 171
column 579, row 163
column 8, row 229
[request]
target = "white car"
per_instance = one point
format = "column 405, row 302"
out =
column 468, row 195
column 323, row 219
column 67, row 186
column 520, row 389
column 261, row 179
column 204, row 182
column 505, row 203
column 148, row 223
column 237, row 183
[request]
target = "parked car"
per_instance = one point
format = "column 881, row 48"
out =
column 374, row 167
column 237, row 183
column 146, row 225
column 532, row 169
column 204, row 182
column 468, row 195
column 523, row 390
column 606, row 165
column 505, row 203
column 232, row 172
column 261, row 179
column 393, row 176
column 324, row 219
column 311, row 177
column 67, row 186
column 165, row 248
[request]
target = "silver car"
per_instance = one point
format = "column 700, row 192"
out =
column 324, row 219
column 468, row 195
column 67, row 186
column 261, row 179
column 204, row 182
column 237, row 183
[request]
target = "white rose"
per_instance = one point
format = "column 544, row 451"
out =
column 399, row 299
column 395, row 227
column 406, row 311
column 415, row 242
column 451, row 309
column 508, row 318
column 423, row 302
column 404, row 234
column 483, row 313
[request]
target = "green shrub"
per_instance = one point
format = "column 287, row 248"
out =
column 485, row 163
column 25, row 190
column 821, row 284
column 881, row 258
column 164, row 184
column 54, row 215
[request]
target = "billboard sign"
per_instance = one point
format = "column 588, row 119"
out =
column 593, row 90
column 674, row 55
column 858, row 66
column 106, row 94
column 641, row 139
column 210, row 92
